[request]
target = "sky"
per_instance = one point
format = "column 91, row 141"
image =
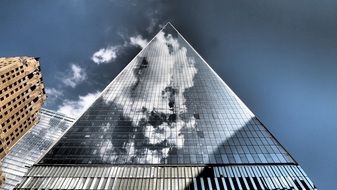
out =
column 279, row 57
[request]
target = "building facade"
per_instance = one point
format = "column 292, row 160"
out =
column 21, row 97
column 2, row 177
column 33, row 145
column 167, row 121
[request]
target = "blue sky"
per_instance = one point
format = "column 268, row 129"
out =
column 279, row 57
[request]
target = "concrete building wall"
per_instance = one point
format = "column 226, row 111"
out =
column 2, row 178
column 21, row 97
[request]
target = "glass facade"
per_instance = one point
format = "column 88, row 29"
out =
column 167, row 106
column 167, row 178
column 33, row 146
column 167, row 121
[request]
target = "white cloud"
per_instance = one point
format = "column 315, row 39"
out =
column 74, row 108
column 105, row 55
column 53, row 92
column 138, row 41
column 110, row 53
column 76, row 76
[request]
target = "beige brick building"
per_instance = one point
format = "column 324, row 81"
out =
column 21, row 97
column 2, row 178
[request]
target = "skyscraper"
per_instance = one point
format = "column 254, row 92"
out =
column 167, row 121
column 33, row 145
column 21, row 97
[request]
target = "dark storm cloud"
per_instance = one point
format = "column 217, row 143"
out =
column 278, row 56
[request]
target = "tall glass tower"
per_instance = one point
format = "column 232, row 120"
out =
column 167, row 121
